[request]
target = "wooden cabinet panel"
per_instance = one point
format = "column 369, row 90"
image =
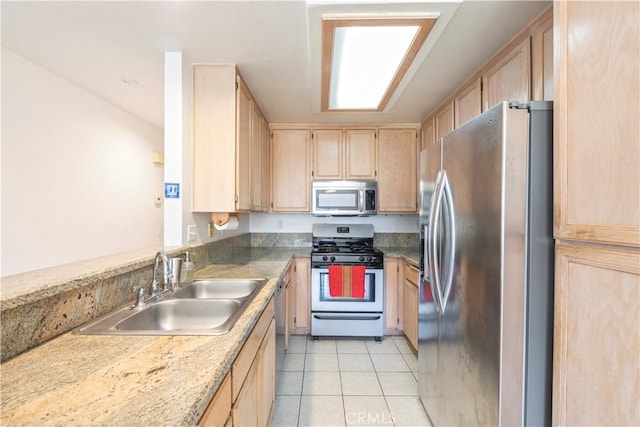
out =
column 328, row 154
column 266, row 167
column 444, row 120
column 256, row 158
column 509, row 78
column 243, row 156
column 214, row 139
column 219, row 409
column 246, row 410
column 468, row 103
column 300, row 294
column 267, row 389
column 391, row 296
column 410, row 303
column 596, row 337
column 428, row 133
column 596, row 132
column 290, row 171
column 246, row 356
column 397, row 170
column 542, row 57
column 222, row 140
column 360, row 153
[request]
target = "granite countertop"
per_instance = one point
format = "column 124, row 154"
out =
column 409, row 253
column 85, row 379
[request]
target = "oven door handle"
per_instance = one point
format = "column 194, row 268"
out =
column 338, row 317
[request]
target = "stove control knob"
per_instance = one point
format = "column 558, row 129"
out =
column 361, row 258
column 332, row 259
column 370, row 258
column 324, row 258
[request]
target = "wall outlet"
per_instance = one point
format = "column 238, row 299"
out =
column 279, row 224
column 210, row 229
column 192, row 233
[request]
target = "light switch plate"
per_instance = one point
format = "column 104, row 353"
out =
column 192, row 233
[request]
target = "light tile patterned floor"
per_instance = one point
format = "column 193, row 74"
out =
column 348, row 382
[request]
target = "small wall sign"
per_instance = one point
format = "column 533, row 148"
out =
column 171, row 190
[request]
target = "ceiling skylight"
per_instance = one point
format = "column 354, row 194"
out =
column 364, row 59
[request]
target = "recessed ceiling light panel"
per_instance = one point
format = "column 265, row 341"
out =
column 364, row 59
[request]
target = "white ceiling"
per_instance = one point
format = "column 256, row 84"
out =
column 276, row 45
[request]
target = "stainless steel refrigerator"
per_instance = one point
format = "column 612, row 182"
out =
column 486, row 271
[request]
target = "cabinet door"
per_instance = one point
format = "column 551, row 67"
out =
column 302, row 297
column 397, row 171
column 360, row 153
column 410, row 308
column 219, row 409
column 444, row 120
column 542, row 57
column 468, row 103
column 410, row 303
column 256, row 158
column 214, row 139
column 267, row 389
column 243, row 148
column 428, row 133
column 596, row 343
column 508, row 79
column 596, row 110
column 266, row 166
column 328, row 154
column 391, row 296
column 291, row 171
column 246, row 410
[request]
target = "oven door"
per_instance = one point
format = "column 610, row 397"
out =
column 373, row 301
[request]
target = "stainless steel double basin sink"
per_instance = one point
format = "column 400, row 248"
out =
column 204, row 307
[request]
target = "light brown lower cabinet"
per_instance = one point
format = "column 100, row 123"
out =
column 410, row 304
column 391, row 312
column 246, row 395
column 218, row 413
column 596, row 344
column 300, row 296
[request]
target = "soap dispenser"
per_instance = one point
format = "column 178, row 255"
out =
column 188, row 268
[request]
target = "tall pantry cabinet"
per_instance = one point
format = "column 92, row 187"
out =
column 596, row 378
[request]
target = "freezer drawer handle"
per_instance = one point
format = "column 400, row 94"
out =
column 320, row 317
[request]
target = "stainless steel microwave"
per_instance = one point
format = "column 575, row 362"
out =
column 344, row 198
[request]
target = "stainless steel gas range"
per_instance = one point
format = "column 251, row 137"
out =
column 347, row 282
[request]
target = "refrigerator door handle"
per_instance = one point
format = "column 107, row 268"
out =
column 450, row 227
column 434, row 219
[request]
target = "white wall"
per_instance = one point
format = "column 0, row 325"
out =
column 300, row 223
column 78, row 181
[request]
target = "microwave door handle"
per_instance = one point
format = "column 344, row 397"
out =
column 361, row 195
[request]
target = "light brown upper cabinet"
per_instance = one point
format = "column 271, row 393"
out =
column 428, row 133
column 596, row 125
column 266, row 166
column 397, row 170
column 360, row 154
column 221, row 140
column 444, row 120
column 468, row 102
column 290, row 170
column 508, row 79
column 256, row 158
column 542, row 57
column 328, row 154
